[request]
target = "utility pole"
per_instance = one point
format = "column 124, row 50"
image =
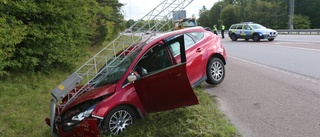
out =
column 291, row 13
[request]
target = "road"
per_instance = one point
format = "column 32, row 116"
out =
column 272, row 89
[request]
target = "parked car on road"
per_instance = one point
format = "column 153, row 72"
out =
column 250, row 30
column 155, row 75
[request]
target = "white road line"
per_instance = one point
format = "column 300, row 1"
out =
column 299, row 41
column 318, row 50
column 276, row 44
column 290, row 73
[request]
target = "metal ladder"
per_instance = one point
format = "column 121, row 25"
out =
column 152, row 22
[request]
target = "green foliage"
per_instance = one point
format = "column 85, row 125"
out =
column 12, row 31
column 301, row 22
column 41, row 35
column 230, row 14
column 202, row 120
column 309, row 8
column 271, row 13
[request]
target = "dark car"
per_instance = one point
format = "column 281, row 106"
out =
column 154, row 76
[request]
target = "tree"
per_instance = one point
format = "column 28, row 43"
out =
column 230, row 15
column 202, row 10
column 40, row 35
column 301, row 22
column 129, row 23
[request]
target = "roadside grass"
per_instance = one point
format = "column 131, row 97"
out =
column 202, row 120
column 25, row 99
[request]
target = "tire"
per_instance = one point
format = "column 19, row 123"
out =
column 271, row 39
column 215, row 71
column 118, row 119
column 234, row 37
column 256, row 37
column 246, row 39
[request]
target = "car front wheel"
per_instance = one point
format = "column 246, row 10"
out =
column 234, row 37
column 256, row 37
column 271, row 39
column 118, row 119
column 215, row 71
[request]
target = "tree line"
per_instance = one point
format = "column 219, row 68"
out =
column 39, row 35
column 270, row 13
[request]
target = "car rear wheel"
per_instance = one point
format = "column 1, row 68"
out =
column 256, row 37
column 271, row 39
column 234, row 37
column 215, row 71
column 118, row 119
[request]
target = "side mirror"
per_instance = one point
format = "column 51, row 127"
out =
column 132, row 77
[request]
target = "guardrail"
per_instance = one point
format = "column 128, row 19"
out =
column 299, row 31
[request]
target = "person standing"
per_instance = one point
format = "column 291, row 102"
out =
column 215, row 29
column 222, row 30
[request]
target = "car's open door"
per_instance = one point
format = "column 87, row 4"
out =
column 167, row 88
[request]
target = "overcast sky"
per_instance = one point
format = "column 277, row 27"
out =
column 136, row 9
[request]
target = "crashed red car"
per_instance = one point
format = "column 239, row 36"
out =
column 156, row 76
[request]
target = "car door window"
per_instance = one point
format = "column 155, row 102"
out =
column 174, row 47
column 239, row 27
column 246, row 27
column 156, row 59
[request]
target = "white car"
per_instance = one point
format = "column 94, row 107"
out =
column 250, row 30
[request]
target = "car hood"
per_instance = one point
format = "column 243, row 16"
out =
column 92, row 94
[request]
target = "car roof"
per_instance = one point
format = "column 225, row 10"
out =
column 161, row 36
column 242, row 23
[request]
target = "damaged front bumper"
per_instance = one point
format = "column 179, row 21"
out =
column 87, row 127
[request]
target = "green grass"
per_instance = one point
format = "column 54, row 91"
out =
column 202, row 120
column 25, row 99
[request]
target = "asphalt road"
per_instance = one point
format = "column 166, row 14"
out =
column 272, row 89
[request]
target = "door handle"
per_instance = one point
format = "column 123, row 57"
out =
column 199, row 49
column 175, row 76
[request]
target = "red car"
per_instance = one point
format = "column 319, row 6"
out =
column 155, row 76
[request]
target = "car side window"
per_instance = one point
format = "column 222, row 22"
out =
column 239, row 27
column 156, row 59
column 188, row 41
column 233, row 27
column 175, row 47
column 198, row 35
column 246, row 27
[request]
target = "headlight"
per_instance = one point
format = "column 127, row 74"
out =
column 84, row 114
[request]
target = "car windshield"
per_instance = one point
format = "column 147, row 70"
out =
column 189, row 23
column 114, row 69
column 257, row 26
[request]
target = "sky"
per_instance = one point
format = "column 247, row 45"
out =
column 136, row 9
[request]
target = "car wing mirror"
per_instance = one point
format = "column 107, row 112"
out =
column 132, row 77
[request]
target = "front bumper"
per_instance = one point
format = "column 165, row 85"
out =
column 88, row 127
column 268, row 36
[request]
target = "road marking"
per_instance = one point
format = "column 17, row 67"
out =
column 299, row 41
column 276, row 44
column 318, row 50
column 287, row 72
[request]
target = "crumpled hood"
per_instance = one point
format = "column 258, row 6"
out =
column 92, row 94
